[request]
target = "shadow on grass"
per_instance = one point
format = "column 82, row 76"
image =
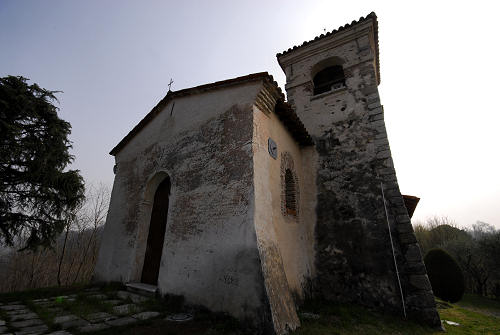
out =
column 49, row 292
column 479, row 302
column 334, row 318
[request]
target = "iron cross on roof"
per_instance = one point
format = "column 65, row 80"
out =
column 170, row 83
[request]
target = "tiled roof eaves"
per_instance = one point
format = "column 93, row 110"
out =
column 292, row 122
column 362, row 19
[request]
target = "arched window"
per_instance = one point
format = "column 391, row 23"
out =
column 290, row 193
column 329, row 79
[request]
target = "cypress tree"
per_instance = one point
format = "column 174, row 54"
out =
column 446, row 277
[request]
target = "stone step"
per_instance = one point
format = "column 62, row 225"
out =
column 142, row 289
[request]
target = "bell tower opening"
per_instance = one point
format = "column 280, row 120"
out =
column 328, row 79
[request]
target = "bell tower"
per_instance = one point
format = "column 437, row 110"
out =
column 366, row 250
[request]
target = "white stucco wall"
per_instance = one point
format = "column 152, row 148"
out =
column 294, row 235
column 286, row 244
column 210, row 255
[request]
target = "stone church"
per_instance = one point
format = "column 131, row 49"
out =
column 247, row 203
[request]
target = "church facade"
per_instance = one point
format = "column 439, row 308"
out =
column 248, row 204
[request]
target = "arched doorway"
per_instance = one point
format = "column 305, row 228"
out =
column 156, row 235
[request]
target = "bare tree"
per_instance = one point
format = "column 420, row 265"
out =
column 69, row 221
column 436, row 232
column 471, row 259
column 97, row 210
column 71, row 259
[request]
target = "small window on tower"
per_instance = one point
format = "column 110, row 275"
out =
column 328, row 79
column 290, row 193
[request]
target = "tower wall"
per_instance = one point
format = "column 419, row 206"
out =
column 354, row 256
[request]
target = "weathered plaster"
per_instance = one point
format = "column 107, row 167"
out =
column 353, row 250
column 286, row 243
column 295, row 234
column 210, row 255
column 229, row 243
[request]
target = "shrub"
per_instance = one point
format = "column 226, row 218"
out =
column 445, row 275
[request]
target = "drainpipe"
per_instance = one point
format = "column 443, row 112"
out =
column 392, row 246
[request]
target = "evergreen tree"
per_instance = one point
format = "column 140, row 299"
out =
column 35, row 190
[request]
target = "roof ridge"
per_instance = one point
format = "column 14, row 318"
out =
column 362, row 19
column 217, row 84
column 334, row 31
column 188, row 91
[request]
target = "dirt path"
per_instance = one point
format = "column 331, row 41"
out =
column 488, row 312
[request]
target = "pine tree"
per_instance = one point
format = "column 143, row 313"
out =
column 35, row 190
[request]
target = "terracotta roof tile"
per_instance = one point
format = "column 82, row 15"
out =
column 292, row 122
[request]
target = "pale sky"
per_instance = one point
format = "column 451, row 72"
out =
column 439, row 63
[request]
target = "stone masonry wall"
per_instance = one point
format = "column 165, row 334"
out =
column 354, row 259
column 418, row 295
column 353, row 251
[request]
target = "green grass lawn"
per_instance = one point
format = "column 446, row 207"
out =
column 481, row 304
column 475, row 314
column 351, row 319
